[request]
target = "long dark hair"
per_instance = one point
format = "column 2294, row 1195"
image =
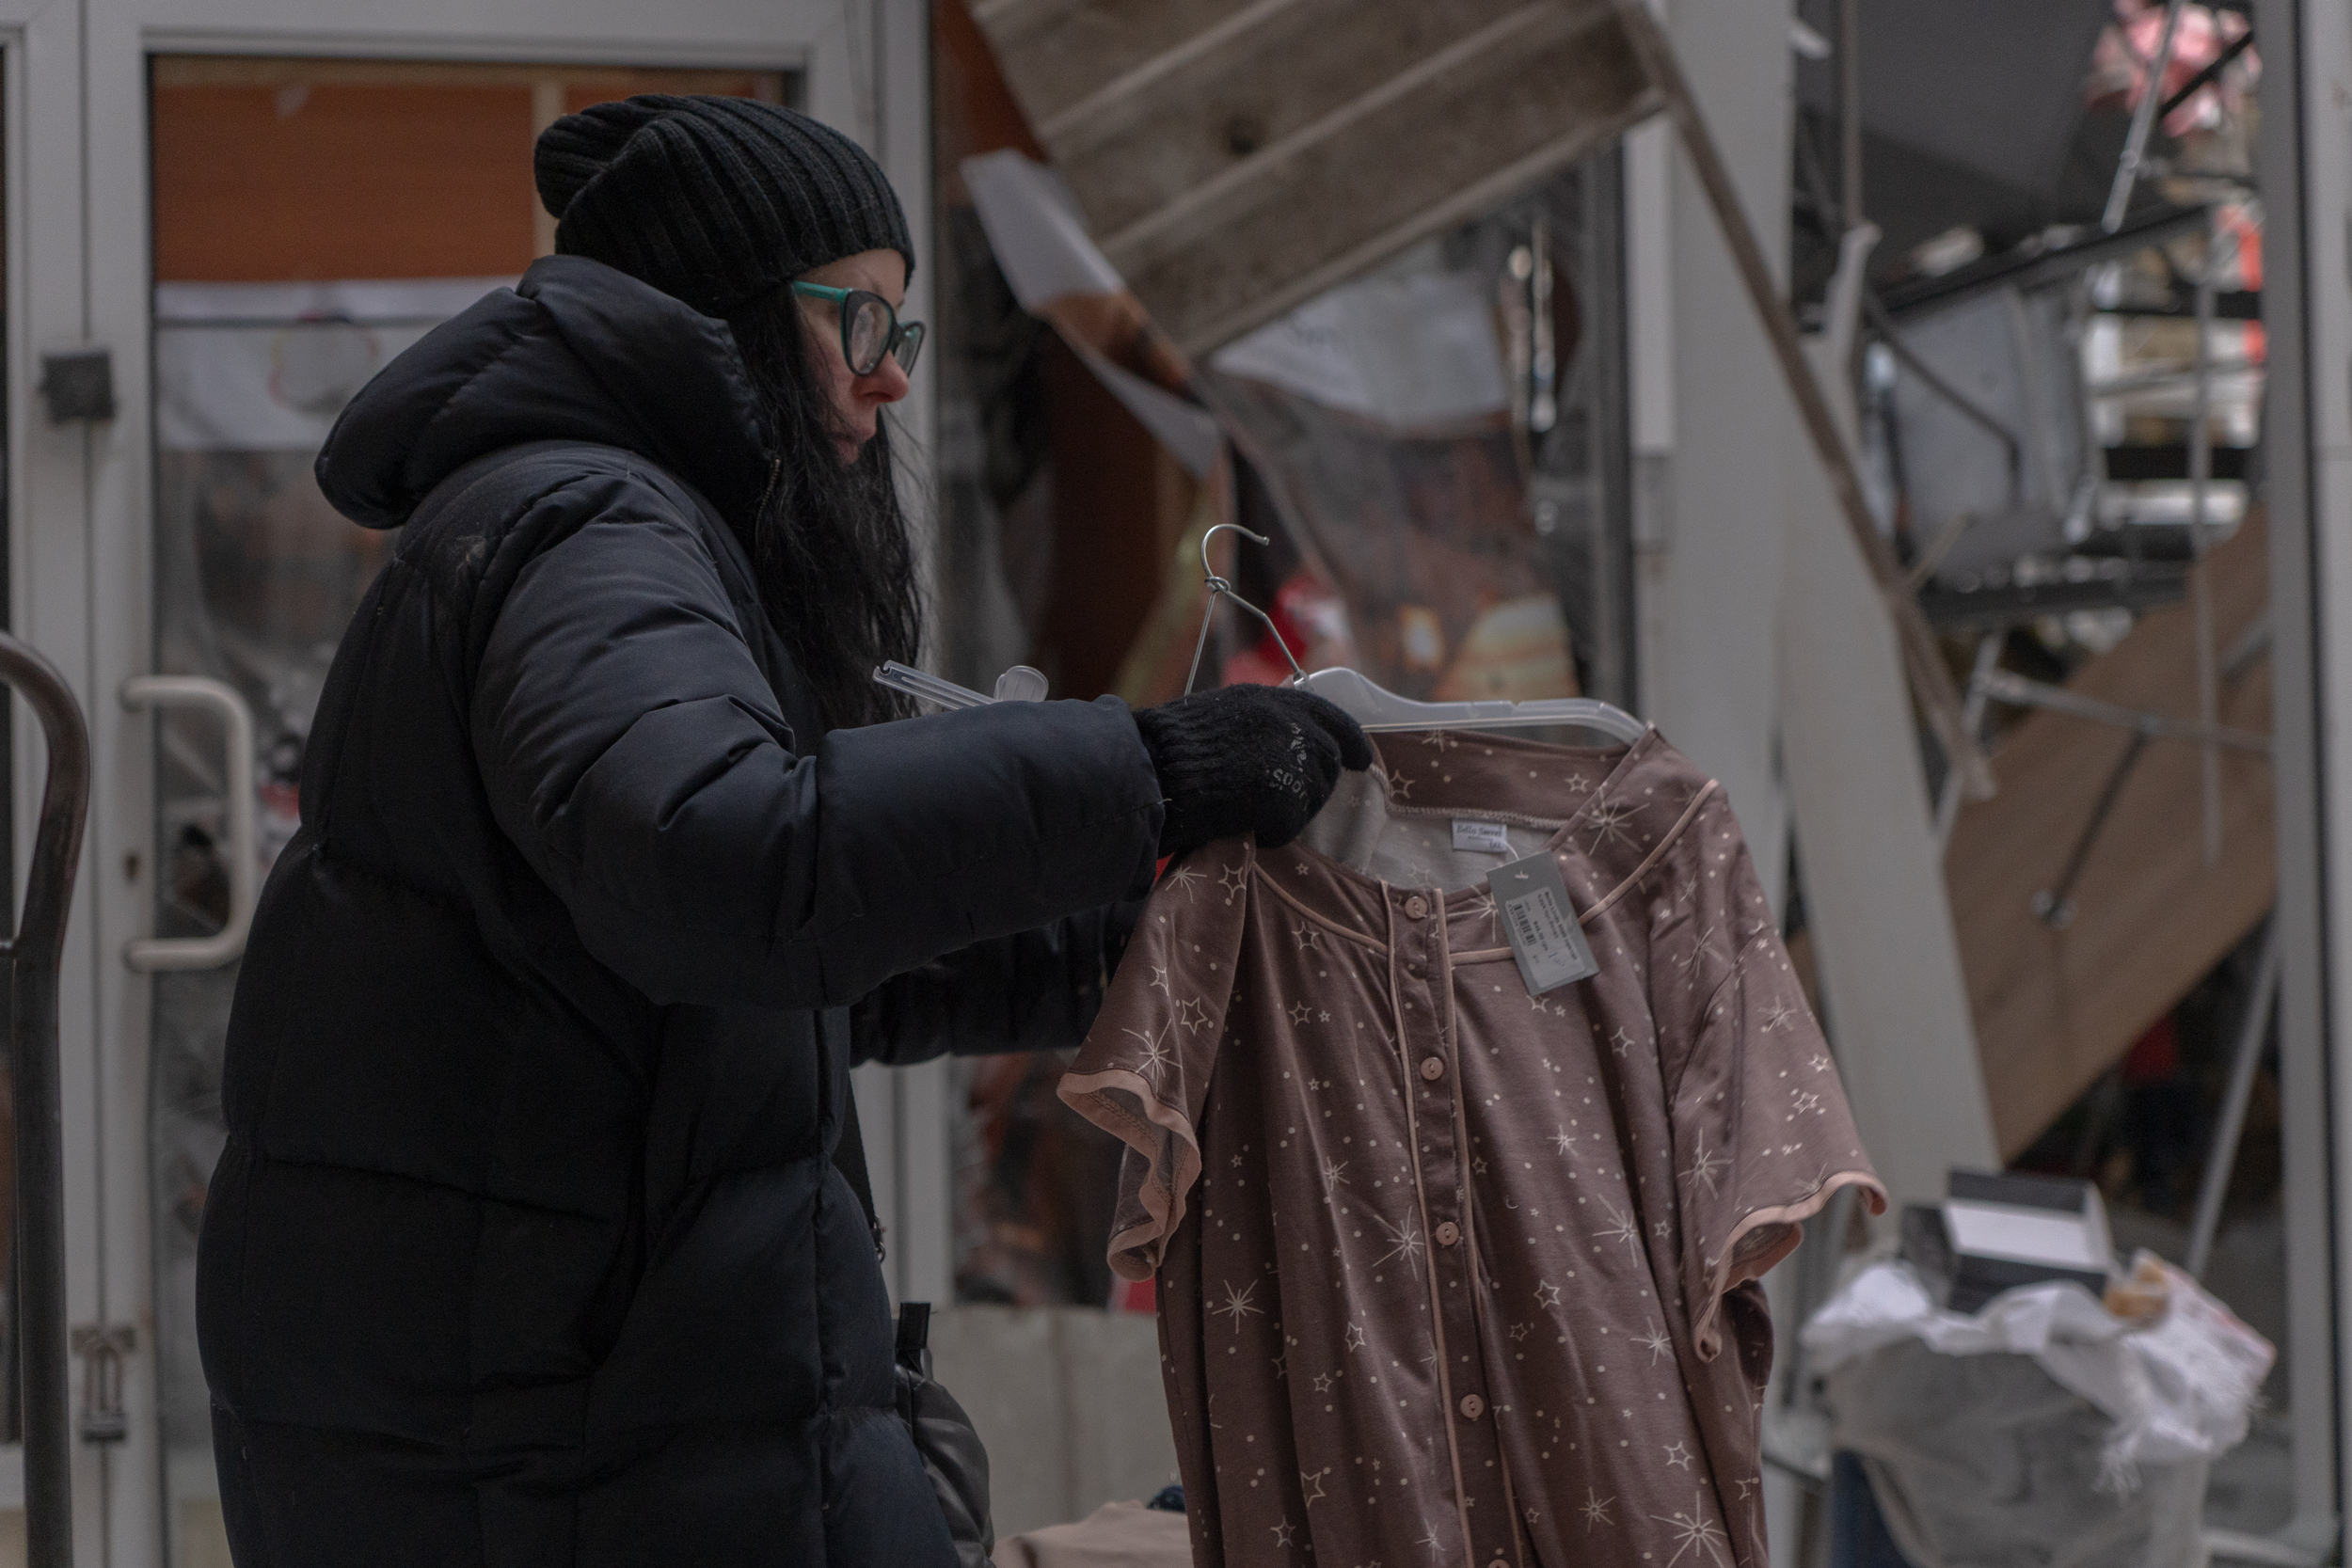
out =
column 829, row 541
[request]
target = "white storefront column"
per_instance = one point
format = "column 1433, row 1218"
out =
column 1712, row 428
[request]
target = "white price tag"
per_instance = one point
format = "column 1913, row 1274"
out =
column 1487, row 837
column 1533, row 904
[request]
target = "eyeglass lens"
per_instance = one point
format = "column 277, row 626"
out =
column 871, row 330
column 868, row 333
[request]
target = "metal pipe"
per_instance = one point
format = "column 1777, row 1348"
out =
column 34, row 956
column 2200, row 580
column 2143, row 120
column 1972, row 714
column 2008, row 687
column 2054, row 906
column 1849, row 111
column 2149, row 381
column 2209, row 74
column 2252, row 644
column 2244, row 1059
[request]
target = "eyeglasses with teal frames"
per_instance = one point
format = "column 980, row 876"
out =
column 869, row 328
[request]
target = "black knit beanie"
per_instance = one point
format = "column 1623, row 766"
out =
column 712, row 200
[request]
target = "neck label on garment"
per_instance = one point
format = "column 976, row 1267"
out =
column 1487, row 837
column 1533, row 904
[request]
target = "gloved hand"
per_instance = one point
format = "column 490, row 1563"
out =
column 1245, row 759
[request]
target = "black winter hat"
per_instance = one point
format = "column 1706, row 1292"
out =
column 712, row 200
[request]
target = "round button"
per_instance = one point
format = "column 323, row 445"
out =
column 1449, row 1233
column 1416, row 906
column 1432, row 1069
column 1473, row 1407
column 1497, row 1564
column 1415, row 969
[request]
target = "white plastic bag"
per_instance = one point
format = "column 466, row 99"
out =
column 2042, row 1430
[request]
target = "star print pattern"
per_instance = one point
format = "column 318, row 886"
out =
column 1403, row 1242
column 1360, row 1153
column 1484, row 911
column 1155, row 1058
column 1705, row 1164
column 1606, row 822
column 1236, row 1304
column 1622, row 1226
column 1694, row 1532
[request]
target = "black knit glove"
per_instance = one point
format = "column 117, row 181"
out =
column 1245, row 759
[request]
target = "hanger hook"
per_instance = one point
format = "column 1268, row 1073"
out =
column 1209, row 572
column 1219, row 588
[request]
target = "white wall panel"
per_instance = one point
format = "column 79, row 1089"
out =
column 1708, row 552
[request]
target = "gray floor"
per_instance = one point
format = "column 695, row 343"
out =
column 1068, row 1400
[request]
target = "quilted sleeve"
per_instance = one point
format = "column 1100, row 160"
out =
column 633, row 751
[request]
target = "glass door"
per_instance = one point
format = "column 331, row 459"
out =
column 312, row 219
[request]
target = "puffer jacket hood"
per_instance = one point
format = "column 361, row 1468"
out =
column 578, row 351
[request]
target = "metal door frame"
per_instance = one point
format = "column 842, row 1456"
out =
column 74, row 83
column 2305, row 164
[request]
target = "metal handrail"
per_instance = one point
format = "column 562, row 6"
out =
column 33, row 957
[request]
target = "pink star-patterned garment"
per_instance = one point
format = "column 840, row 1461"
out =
column 1452, row 1274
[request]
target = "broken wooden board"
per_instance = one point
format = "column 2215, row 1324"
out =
column 2055, row 1008
column 1235, row 158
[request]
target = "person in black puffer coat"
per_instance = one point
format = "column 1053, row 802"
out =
column 529, row 1247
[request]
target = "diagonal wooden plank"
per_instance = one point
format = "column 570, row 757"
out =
column 2055, row 1008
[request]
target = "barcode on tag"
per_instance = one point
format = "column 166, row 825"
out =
column 1541, row 924
column 1487, row 837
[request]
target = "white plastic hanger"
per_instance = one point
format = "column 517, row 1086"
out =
column 1018, row 684
column 1379, row 710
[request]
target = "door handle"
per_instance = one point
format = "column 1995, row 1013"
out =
column 150, row 954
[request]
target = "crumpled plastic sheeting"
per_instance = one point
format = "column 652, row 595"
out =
column 2042, row 1431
